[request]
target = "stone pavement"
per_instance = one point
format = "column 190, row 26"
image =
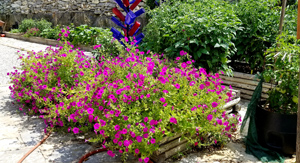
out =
column 19, row 133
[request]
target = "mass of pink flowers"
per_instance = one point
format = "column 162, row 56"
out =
column 128, row 103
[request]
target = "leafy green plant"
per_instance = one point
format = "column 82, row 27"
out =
column 91, row 36
column 15, row 31
column 51, row 33
column 131, row 102
column 27, row 24
column 205, row 29
column 283, row 68
column 260, row 20
column 30, row 23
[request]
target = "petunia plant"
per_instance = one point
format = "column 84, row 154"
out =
column 128, row 103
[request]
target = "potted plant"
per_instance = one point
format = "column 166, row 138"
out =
column 276, row 117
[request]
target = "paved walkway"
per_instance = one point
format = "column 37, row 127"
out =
column 19, row 133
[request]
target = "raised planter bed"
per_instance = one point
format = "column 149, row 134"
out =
column 246, row 84
column 41, row 40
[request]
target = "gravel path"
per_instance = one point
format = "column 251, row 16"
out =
column 19, row 133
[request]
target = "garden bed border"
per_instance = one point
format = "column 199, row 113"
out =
column 41, row 40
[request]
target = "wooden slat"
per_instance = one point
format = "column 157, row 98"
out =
column 248, row 97
column 246, row 81
column 244, row 76
column 175, row 150
column 168, row 139
column 244, row 86
column 249, row 92
column 170, row 145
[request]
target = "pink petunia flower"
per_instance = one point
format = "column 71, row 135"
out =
column 139, row 139
column 192, row 83
column 146, row 159
column 152, row 141
column 173, row 120
column 110, row 153
column 146, row 119
column 214, row 104
column 209, row 117
column 162, row 100
column 96, row 126
column 75, row 130
column 177, row 86
column 126, row 143
column 90, row 110
column 117, row 127
column 183, row 65
column 202, row 86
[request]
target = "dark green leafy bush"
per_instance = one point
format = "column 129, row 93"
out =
column 260, row 20
column 204, row 29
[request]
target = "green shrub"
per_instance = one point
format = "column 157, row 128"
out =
column 205, row 29
column 91, row 36
column 15, row 31
column 30, row 23
column 43, row 24
column 260, row 20
column 51, row 33
column 27, row 24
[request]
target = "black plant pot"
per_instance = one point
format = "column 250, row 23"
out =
column 276, row 131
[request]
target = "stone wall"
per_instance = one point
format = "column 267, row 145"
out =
column 91, row 12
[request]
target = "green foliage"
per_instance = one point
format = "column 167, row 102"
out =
column 43, row 24
column 15, row 31
column 151, row 4
column 30, row 23
column 51, row 33
column 283, row 68
column 205, row 29
column 90, row 36
column 27, row 24
column 260, row 20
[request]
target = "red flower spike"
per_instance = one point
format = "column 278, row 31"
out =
column 135, row 4
column 134, row 28
column 126, row 3
column 118, row 14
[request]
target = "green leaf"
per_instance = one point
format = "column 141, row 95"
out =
column 204, row 51
column 199, row 53
column 194, row 41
